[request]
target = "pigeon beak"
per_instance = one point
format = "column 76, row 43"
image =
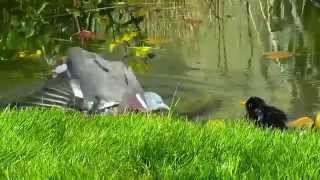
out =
column 243, row 102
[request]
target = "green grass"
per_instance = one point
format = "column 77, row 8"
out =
column 55, row 144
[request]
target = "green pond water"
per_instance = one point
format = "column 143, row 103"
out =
column 212, row 57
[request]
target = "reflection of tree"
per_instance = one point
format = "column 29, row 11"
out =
column 222, row 49
column 304, row 99
column 250, row 33
column 296, row 17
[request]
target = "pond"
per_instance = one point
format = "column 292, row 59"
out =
column 208, row 55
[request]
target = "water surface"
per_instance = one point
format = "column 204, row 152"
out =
column 222, row 63
column 213, row 55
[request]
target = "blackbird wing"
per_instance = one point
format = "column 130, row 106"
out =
column 274, row 117
column 259, row 114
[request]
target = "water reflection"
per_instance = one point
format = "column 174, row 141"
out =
column 228, row 52
column 19, row 79
column 214, row 58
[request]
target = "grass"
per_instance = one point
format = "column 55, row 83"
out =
column 54, row 144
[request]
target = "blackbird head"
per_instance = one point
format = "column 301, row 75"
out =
column 252, row 105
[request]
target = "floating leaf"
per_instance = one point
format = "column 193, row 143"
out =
column 277, row 55
column 29, row 55
column 317, row 121
column 216, row 123
column 128, row 36
column 21, row 54
column 142, row 51
column 38, row 52
column 156, row 40
column 120, row 3
column 125, row 38
column 303, row 122
column 139, row 66
column 192, row 21
column 112, row 46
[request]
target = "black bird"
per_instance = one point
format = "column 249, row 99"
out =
column 264, row 115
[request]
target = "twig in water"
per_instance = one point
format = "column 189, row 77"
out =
column 173, row 96
column 253, row 22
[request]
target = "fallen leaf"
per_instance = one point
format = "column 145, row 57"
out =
column 120, row 3
column 156, row 40
column 278, row 55
column 128, row 36
column 29, row 55
column 303, row 122
column 140, row 67
column 142, row 51
column 192, row 21
column 21, row 54
column 112, row 46
column 216, row 123
column 317, row 121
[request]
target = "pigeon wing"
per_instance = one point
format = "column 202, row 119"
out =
column 56, row 93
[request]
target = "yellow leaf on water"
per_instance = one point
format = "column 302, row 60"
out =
column 21, row 54
column 192, row 21
column 38, row 52
column 29, row 55
column 216, row 123
column 112, row 46
column 142, row 51
column 156, row 40
column 317, row 121
column 128, row 36
column 277, row 55
column 118, row 41
column 303, row 122
column 120, row 3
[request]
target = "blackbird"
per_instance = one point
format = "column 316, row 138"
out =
column 265, row 115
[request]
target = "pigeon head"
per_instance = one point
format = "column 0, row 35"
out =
column 144, row 102
column 155, row 102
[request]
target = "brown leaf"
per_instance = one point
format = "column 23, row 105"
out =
column 157, row 40
column 277, row 55
column 192, row 21
column 303, row 122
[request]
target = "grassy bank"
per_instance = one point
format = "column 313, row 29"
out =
column 53, row 143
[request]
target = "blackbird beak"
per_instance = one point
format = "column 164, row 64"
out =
column 243, row 102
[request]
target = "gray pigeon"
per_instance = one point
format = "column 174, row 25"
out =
column 92, row 84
